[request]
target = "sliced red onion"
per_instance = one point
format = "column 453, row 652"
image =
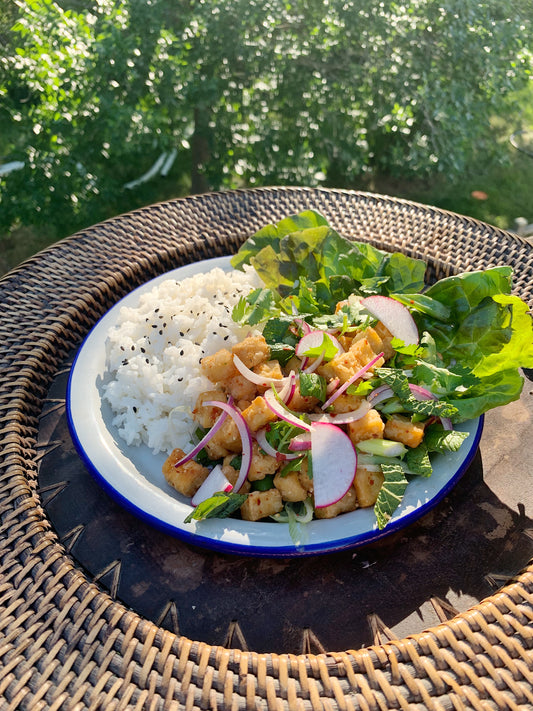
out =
column 216, row 481
column 343, row 418
column 255, row 377
column 288, row 389
column 384, row 392
column 300, row 443
column 314, row 365
column 421, row 393
column 205, row 439
column 265, row 445
column 246, row 439
column 332, row 385
column 347, row 384
column 279, row 409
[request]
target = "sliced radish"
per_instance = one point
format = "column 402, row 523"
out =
column 334, row 462
column 394, row 315
column 279, row 409
column 315, row 342
column 216, row 481
column 246, row 438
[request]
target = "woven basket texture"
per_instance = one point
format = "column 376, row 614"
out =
column 65, row 643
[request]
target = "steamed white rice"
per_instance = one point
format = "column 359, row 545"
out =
column 155, row 350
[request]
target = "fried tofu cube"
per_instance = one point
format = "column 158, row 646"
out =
column 290, row 487
column 345, row 403
column 188, row 477
column 367, row 484
column 232, row 474
column 302, row 403
column 386, row 338
column 207, row 415
column 252, row 351
column 370, row 426
column 239, row 387
column 364, row 352
column 258, row 414
column 401, row 429
column 304, row 478
column 346, row 365
column 225, row 441
column 268, row 369
column 347, row 503
column 219, row 366
column 262, row 464
column 374, row 339
column 260, row 504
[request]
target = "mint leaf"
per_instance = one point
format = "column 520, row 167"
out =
column 439, row 440
column 390, row 494
column 418, row 462
column 220, row 505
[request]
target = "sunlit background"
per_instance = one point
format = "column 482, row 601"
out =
column 107, row 105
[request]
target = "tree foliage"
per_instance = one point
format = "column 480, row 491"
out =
column 243, row 92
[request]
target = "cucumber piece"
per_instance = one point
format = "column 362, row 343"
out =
column 382, row 447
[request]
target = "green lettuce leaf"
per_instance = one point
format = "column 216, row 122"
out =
column 304, row 247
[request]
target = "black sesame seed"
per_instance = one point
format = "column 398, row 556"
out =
column 125, row 361
column 179, row 380
column 134, row 409
column 143, row 350
column 147, row 360
column 160, row 331
column 181, row 352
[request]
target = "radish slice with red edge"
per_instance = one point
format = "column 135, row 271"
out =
column 279, row 409
column 287, row 391
column 216, row 481
column 332, row 475
column 265, row 445
column 315, row 339
column 205, row 439
column 394, row 315
column 246, row 438
column 354, row 377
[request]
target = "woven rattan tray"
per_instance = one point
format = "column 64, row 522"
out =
column 81, row 626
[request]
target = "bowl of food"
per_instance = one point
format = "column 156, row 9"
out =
column 308, row 394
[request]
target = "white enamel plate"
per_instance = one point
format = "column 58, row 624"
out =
column 133, row 476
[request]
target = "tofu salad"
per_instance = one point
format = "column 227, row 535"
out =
column 355, row 374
